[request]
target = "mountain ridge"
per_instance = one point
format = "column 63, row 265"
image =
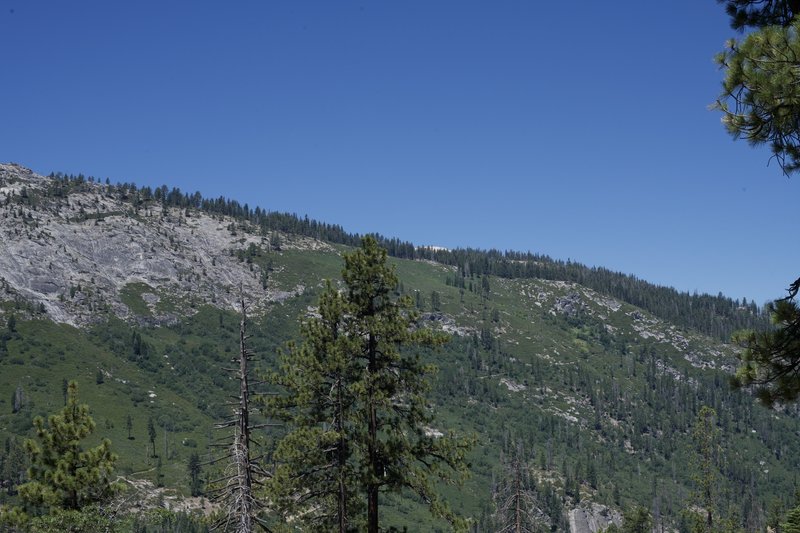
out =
column 718, row 316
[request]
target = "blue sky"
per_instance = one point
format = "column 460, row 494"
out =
column 575, row 129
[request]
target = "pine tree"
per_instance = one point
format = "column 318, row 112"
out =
column 706, row 441
column 637, row 521
column 63, row 474
column 760, row 102
column 318, row 407
column 771, row 359
column 792, row 523
column 194, row 469
column 394, row 450
column 356, row 408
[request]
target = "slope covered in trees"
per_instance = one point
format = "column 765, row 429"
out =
column 576, row 398
column 718, row 316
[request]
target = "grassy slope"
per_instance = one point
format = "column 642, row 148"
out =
column 563, row 363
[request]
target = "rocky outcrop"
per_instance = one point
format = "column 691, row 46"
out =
column 592, row 518
column 73, row 254
column 569, row 305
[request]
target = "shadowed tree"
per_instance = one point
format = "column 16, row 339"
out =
column 151, row 435
column 771, row 359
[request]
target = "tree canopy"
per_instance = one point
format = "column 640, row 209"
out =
column 760, row 102
column 760, row 99
column 760, row 13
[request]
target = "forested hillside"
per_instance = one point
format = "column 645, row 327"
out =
column 583, row 389
column 717, row 316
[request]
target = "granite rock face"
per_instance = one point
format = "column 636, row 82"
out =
column 71, row 255
column 592, row 517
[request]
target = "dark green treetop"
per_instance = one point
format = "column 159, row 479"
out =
column 760, row 13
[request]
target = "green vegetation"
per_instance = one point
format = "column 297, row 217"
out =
column 585, row 397
column 62, row 473
column 598, row 406
column 761, row 103
column 759, row 100
column 356, row 407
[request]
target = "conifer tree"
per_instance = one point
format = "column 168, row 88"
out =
column 771, row 359
column 129, row 425
column 394, row 450
column 63, row 474
column 760, row 102
column 706, row 442
column 356, row 404
column 637, row 520
column 792, row 523
column 194, row 468
column 760, row 93
column 315, row 458
column 151, row 434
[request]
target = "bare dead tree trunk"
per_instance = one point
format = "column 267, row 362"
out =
column 516, row 501
column 236, row 493
column 241, row 444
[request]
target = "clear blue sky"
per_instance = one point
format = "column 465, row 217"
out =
column 575, row 129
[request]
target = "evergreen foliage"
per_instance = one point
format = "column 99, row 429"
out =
column 706, row 440
column 194, row 469
column 315, row 458
column 357, row 404
column 62, row 474
column 633, row 398
column 760, row 100
column 792, row 523
column 636, row 520
column 771, row 359
column 760, row 13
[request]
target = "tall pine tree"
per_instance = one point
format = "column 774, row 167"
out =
column 315, row 480
column 359, row 423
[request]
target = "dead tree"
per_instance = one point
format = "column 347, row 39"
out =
column 515, row 499
column 242, row 472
